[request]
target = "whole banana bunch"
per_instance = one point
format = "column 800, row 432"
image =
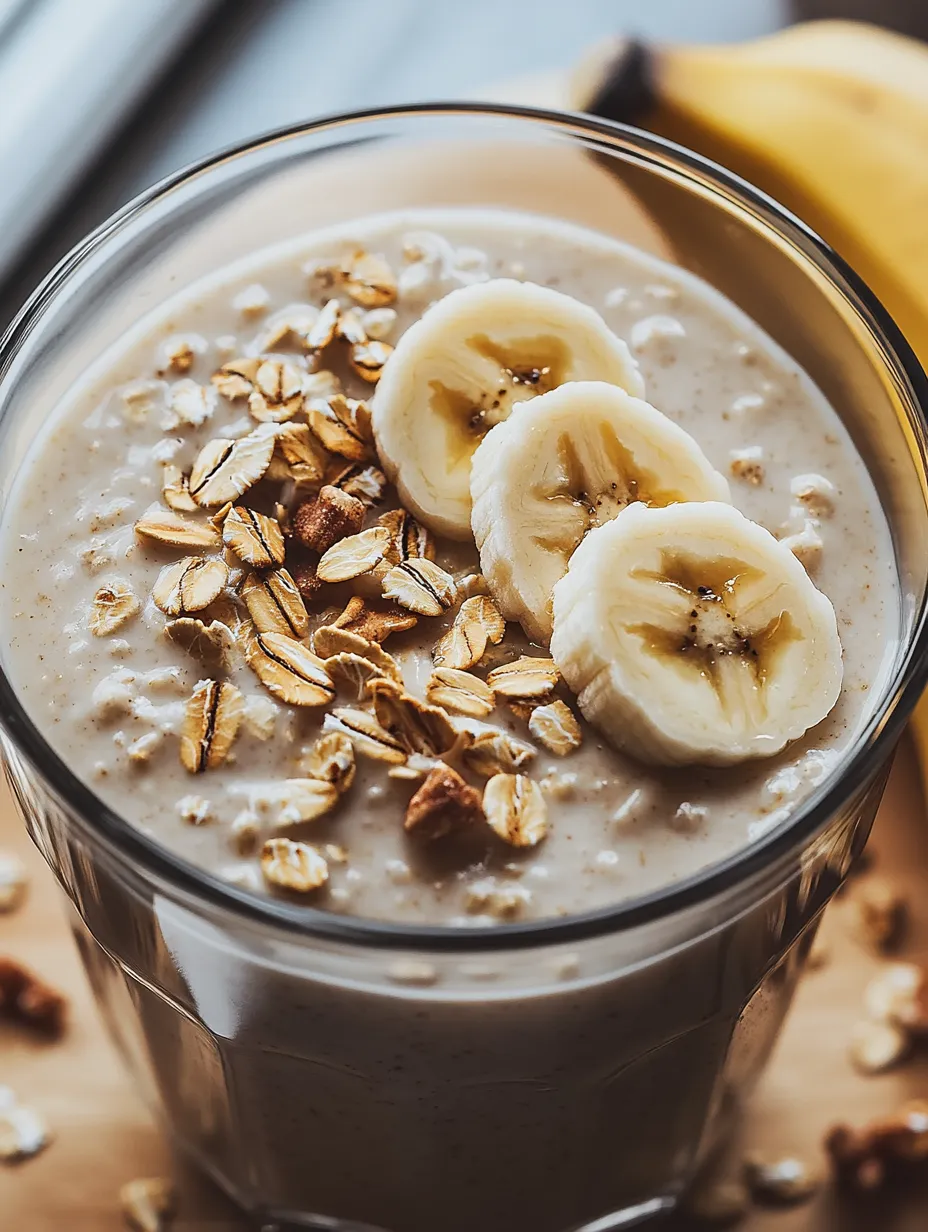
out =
column 830, row 118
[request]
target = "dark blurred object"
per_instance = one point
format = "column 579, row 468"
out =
column 908, row 16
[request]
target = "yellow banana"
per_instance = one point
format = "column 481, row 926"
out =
column 830, row 118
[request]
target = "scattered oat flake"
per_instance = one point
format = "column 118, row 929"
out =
column 555, row 726
column 289, row 671
column 113, row 606
column 274, row 604
column 252, row 300
column 331, row 760
column 190, row 584
column 211, row 723
column 367, row 735
column 298, row 455
column 369, row 280
column 460, row 691
column 148, row 1204
column 374, row 624
column 190, row 403
column 175, row 491
column 516, row 810
column 225, row 469
column 354, row 555
column 14, row 882
column 292, row 865
column 525, row 678
column 195, row 810
column 877, row 1046
column 421, row 586
column 211, row 643
column 343, row 425
column 419, row 727
column 256, row 539
column 409, row 540
column 367, row 483
column 323, row 330
column 332, row 640
column 443, row 804
column 278, row 391
column 367, row 359
column 302, row 800
column 165, row 526
column 781, row 1182
column 352, row 672
column 494, row 752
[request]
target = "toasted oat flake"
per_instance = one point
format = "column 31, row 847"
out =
column 178, row 354
column 236, row 379
column 877, row 1046
column 14, row 882
column 260, row 716
column 350, row 328
column 373, row 624
column 460, row 691
column 289, row 671
column 140, row 751
column 369, row 280
column 277, row 393
column 748, row 464
column 304, row 800
column 463, row 646
column 195, row 810
column 484, row 609
column 256, row 539
column 189, row 403
column 332, row 640
column 211, row 643
column 211, row 723
column 323, row 330
column 367, row 359
column 353, row 673
column 409, row 540
column 331, row 760
column 274, row 604
column 343, row 425
column 419, row 727
column 190, row 584
column 516, row 810
column 252, row 300
column 443, row 804
column 293, row 866
column 815, row 493
column 113, row 606
column 225, row 468
column 379, row 322
column 494, row 752
column 165, row 526
column 526, row 677
column 298, row 456
column 175, row 491
column 369, row 738
column 555, row 726
column 354, row 555
column 421, row 586
column 148, row 1203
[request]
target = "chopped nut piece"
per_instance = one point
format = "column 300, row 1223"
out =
column 165, row 526
column 367, row 483
column 29, row 1001
column 175, row 491
column 526, row 677
column 421, row 586
column 14, row 881
column 225, row 469
column 326, row 519
column 353, row 672
column 211, row 723
column 274, row 604
column 289, row 671
column 331, row 760
column 278, row 391
column 494, row 752
column 190, row 584
column 366, row 734
column 304, row 800
column 373, row 624
column 444, row 803
column 556, row 727
column 461, row 691
column 211, row 643
column 113, row 606
column 323, row 330
column 882, row 913
column 419, row 728
column 343, row 425
column 354, row 555
column 147, row 1204
column 333, row 640
column 899, row 995
column 293, row 866
column 367, row 359
column 297, row 455
column 408, row 540
column 748, row 464
column 516, row 809
column 877, row 1046
column 863, row 1158
column 369, row 280
column 254, row 538
column 780, row 1182
column 22, row 1132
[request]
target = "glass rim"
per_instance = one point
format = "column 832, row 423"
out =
column 870, row 749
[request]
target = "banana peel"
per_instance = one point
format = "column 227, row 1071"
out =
column 830, row 118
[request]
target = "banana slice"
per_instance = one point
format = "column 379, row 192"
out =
column 460, row 369
column 560, row 465
column 692, row 636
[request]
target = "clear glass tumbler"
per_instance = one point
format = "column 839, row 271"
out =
column 345, row 1074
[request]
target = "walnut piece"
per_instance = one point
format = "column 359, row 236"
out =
column 443, row 804
column 863, row 1159
column 333, row 515
column 27, row 1000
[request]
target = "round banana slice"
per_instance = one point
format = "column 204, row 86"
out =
column 690, row 635
column 460, row 369
column 560, row 465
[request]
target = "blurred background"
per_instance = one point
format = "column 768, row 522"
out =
column 103, row 97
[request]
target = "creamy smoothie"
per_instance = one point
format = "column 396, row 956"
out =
column 111, row 632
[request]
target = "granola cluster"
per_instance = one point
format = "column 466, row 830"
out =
column 294, row 558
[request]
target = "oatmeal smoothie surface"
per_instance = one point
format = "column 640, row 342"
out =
column 455, row 566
